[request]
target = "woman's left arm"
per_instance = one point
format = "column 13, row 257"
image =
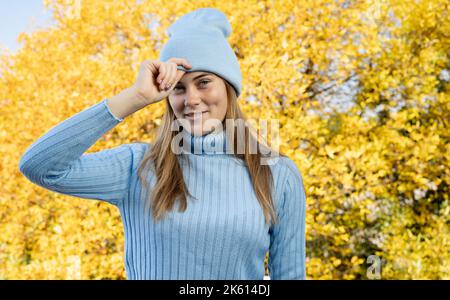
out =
column 287, row 237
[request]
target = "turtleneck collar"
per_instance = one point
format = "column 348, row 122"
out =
column 208, row 144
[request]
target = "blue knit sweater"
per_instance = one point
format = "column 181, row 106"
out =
column 221, row 235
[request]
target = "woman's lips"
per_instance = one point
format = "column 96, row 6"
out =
column 194, row 116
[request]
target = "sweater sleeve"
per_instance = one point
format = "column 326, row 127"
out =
column 287, row 237
column 56, row 160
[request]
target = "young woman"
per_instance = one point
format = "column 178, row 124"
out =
column 191, row 214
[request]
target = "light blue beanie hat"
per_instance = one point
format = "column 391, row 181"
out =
column 200, row 37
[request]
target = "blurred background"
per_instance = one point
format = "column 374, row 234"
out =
column 21, row 16
column 360, row 88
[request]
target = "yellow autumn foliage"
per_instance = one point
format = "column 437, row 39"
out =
column 361, row 91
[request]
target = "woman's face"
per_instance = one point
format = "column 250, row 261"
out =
column 202, row 93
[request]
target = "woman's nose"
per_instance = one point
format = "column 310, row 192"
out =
column 192, row 98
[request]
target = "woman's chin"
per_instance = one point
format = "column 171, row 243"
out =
column 202, row 126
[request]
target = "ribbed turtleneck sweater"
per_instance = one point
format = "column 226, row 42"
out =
column 221, row 235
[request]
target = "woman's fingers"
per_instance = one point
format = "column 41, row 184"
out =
column 171, row 75
column 181, row 62
column 179, row 75
column 162, row 74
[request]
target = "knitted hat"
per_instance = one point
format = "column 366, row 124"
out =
column 200, row 37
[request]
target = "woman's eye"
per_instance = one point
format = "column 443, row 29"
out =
column 203, row 82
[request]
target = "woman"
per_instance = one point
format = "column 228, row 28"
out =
column 187, row 214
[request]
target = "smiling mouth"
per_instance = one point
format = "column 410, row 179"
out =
column 195, row 115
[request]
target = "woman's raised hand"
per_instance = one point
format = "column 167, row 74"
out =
column 156, row 79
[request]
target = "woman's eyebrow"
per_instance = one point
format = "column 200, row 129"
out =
column 196, row 77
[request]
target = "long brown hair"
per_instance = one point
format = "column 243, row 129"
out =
column 170, row 182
